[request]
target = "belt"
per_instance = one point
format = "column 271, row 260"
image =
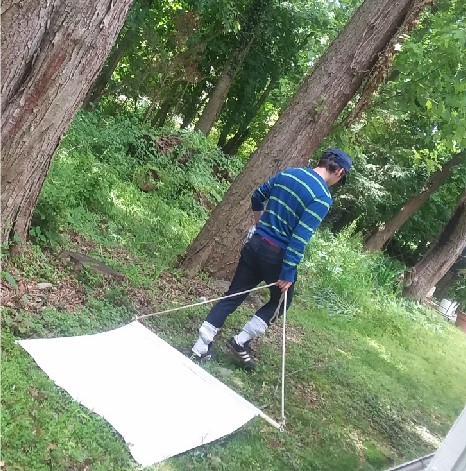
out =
column 272, row 246
column 269, row 241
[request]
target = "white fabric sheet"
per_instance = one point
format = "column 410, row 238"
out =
column 159, row 401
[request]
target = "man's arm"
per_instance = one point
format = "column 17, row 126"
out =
column 257, row 216
column 309, row 222
column 260, row 197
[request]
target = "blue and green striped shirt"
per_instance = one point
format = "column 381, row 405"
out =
column 297, row 200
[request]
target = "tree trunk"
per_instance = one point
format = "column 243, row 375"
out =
column 191, row 103
column 222, row 139
column 441, row 255
column 220, row 92
column 189, row 115
column 51, row 54
column 159, row 119
column 385, row 232
column 300, row 129
column 95, row 93
column 233, row 144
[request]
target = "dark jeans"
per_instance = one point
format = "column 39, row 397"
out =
column 259, row 261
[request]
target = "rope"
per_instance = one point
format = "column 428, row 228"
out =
column 203, row 302
column 283, row 419
column 283, row 299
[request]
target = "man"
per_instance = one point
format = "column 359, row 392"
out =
column 297, row 199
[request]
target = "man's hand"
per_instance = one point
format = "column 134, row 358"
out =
column 284, row 285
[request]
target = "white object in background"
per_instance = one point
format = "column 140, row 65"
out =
column 448, row 308
column 451, row 456
column 160, row 402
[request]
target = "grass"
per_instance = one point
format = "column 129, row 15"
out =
column 372, row 380
column 362, row 391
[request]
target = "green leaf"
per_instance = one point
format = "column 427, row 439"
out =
column 9, row 278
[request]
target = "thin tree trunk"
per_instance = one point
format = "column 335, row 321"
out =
column 222, row 139
column 189, row 115
column 162, row 113
column 385, row 232
column 51, row 54
column 189, row 105
column 96, row 92
column 441, row 256
column 233, row 144
column 191, row 112
column 300, row 129
column 219, row 94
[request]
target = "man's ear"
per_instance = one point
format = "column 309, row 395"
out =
column 341, row 176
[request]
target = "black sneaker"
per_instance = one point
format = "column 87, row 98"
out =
column 209, row 355
column 243, row 353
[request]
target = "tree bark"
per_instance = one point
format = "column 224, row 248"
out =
column 222, row 139
column 441, row 256
column 191, row 103
column 385, row 232
column 189, row 115
column 51, row 54
column 301, row 127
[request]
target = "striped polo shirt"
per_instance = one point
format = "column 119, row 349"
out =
column 297, row 200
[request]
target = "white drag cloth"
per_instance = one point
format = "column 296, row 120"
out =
column 160, row 402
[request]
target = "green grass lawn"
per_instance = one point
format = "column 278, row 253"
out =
column 358, row 397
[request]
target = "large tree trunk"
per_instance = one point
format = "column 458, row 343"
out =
column 441, row 255
column 301, row 127
column 51, row 54
column 385, row 232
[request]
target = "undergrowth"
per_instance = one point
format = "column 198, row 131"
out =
column 122, row 184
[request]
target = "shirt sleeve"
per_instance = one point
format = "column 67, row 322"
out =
column 310, row 220
column 262, row 194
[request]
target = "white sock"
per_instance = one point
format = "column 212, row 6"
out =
column 207, row 332
column 252, row 329
column 200, row 347
column 242, row 338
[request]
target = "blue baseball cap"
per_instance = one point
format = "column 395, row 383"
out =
column 340, row 158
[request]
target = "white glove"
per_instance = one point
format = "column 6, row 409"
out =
column 249, row 234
